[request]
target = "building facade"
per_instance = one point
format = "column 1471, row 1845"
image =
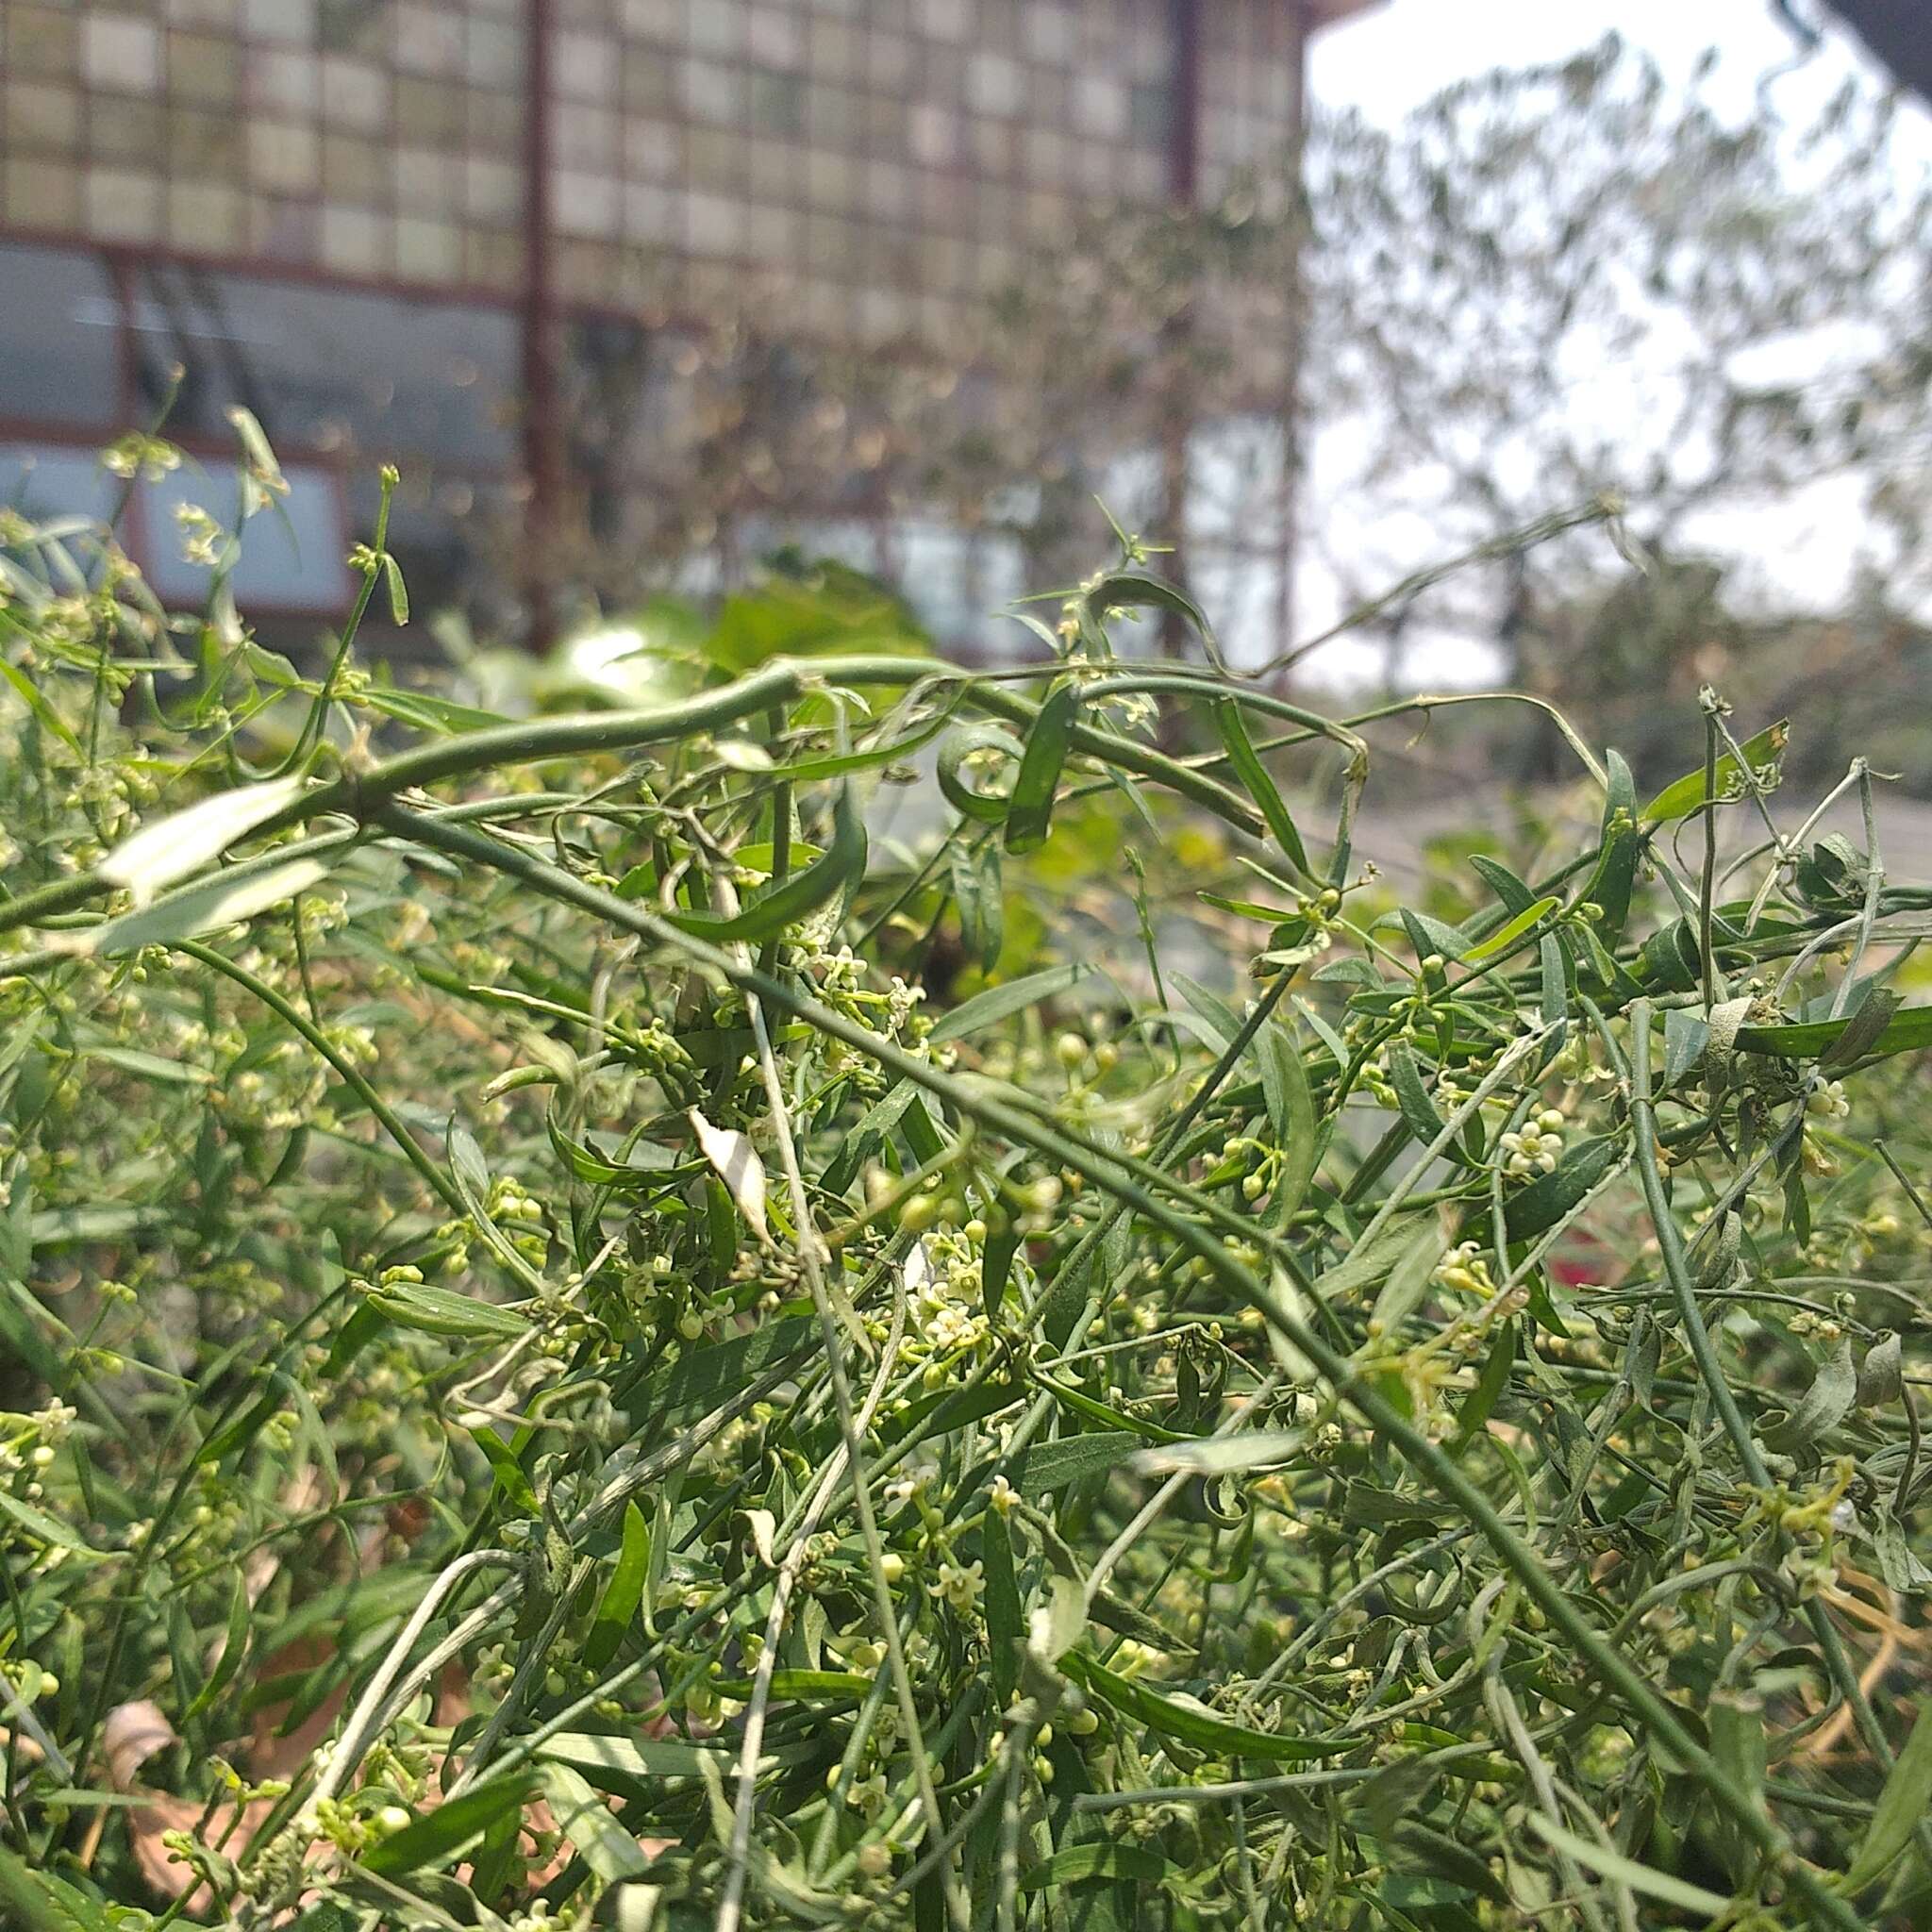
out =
column 403, row 230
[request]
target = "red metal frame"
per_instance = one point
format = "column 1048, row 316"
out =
column 543, row 451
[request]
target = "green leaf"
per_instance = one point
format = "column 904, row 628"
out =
column 1905, row 1031
column 1501, row 941
column 36, row 701
column 1221, row 1455
column 1556, row 987
column 1515, row 896
column 1551, row 1197
column 1043, row 1466
column 1627, row 1871
column 234, row 1647
column 1002, row 1002
column 1821, row 1409
column 441, row 1834
column 46, row 1529
column 957, row 745
column 1193, row 1726
column 1688, row 794
column 222, row 901
column 428, row 713
column 772, row 908
column 1480, row 1403
column 1427, row 935
column 1004, row 1626
column 1100, row 1857
column 443, row 1311
column 1901, row 1804
column 1881, row 1377
column 1128, row 589
column 584, row 1817
column 1261, row 787
column 1094, row 1410
column 43, row 1903
column 628, row 1761
column 1291, row 1106
column 180, row 844
column 617, row 1608
column 700, row 1377
column 398, row 596
column 509, row 1471
column 1030, row 814
column 1685, row 1036
column 979, row 894
column 1864, row 1028
column 1417, row 1110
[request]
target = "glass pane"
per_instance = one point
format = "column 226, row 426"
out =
column 57, row 358
column 291, row 557
column 366, row 378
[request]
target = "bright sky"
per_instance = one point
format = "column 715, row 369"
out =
column 1392, row 59
column 1389, row 60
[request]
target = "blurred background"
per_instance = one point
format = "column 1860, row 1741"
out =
column 653, row 297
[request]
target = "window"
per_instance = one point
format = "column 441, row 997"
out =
column 59, row 362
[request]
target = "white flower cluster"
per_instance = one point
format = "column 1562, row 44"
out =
column 1827, row 1102
column 1537, row 1146
column 1463, row 1267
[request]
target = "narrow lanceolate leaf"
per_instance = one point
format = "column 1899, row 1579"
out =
column 443, row 1311
column 1901, row 1804
column 1864, row 1029
column 1030, row 813
column 36, row 702
column 840, row 866
column 438, row 1836
column 1129, row 590
column 959, row 745
column 1291, row 1112
column 1043, row 1466
column 1515, row 896
column 1904, row 1031
column 1252, row 774
column 979, row 894
column 1607, row 1863
column 206, row 907
column 1417, row 1110
column 739, row 1167
column 610, row 1852
column 42, row 1527
column 1822, row 1407
column 1549, row 1199
column 1171, row 1717
column 1685, row 1036
column 509, row 1471
column 624, row 1760
column 1689, row 795
column 1524, row 920
column 180, row 844
column 1002, row 1002
column 1221, row 1455
column 1097, row 1859
column 617, row 1608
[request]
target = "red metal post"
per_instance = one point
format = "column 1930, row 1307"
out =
column 1183, row 187
column 542, row 423
column 1184, row 128
column 1300, row 24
